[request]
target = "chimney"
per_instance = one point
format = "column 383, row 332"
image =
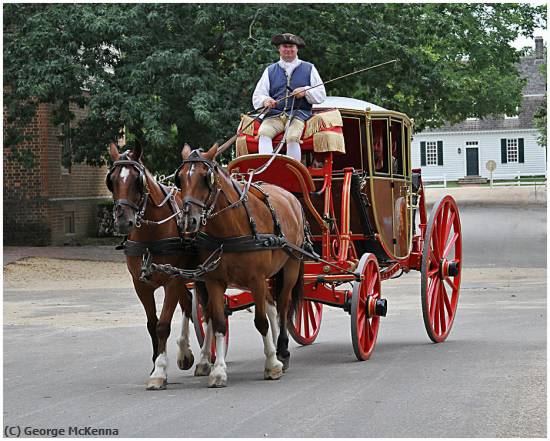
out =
column 539, row 47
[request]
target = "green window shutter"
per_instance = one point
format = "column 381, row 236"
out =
column 503, row 153
column 521, row 155
column 439, row 152
column 422, row 152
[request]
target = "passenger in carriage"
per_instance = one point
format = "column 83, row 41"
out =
column 278, row 80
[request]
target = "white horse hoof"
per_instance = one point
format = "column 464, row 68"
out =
column 202, row 369
column 218, row 379
column 186, row 361
column 156, row 384
column 274, row 373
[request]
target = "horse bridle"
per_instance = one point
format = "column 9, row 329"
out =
column 142, row 185
column 212, row 182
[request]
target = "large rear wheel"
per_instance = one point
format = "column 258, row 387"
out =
column 441, row 269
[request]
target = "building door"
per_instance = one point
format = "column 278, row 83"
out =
column 472, row 162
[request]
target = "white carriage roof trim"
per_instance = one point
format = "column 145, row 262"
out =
column 341, row 102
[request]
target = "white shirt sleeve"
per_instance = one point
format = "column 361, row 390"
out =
column 319, row 94
column 261, row 93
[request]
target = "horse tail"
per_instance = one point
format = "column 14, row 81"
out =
column 297, row 290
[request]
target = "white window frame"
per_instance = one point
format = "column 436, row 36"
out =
column 512, row 150
column 431, row 153
column 516, row 116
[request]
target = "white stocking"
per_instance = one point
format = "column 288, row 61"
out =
column 293, row 150
column 265, row 145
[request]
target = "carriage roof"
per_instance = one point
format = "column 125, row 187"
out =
column 346, row 103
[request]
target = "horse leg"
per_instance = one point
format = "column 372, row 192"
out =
column 216, row 290
column 273, row 321
column 147, row 298
column 159, row 377
column 185, row 355
column 291, row 278
column 273, row 369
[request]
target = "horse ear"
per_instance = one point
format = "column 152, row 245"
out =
column 137, row 150
column 185, row 152
column 210, row 154
column 113, row 152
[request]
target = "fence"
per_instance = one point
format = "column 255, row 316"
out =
column 517, row 179
column 435, row 181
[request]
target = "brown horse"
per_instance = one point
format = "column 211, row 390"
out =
column 210, row 205
column 140, row 207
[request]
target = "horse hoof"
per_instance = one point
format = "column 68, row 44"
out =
column 273, row 373
column 217, row 379
column 156, row 384
column 186, row 362
column 202, row 370
column 285, row 361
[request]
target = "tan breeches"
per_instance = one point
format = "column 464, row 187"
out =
column 272, row 126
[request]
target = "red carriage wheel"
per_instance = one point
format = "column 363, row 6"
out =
column 305, row 322
column 366, row 307
column 441, row 269
column 200, row 328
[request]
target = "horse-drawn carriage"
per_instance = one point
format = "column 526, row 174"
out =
column 361, row 206
column 332, row 230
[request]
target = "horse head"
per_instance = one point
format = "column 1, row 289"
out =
column 127, row 181
column 197, row 179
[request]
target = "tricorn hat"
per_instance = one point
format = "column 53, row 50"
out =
column 287, row 38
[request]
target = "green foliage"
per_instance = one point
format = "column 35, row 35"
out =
column 540, row 114
column 173, row 73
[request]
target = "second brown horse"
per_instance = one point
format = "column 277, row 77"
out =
column 210, row 204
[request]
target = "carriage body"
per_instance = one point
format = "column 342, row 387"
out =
column 361, row 207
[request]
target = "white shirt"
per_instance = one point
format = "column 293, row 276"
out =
column 313, row 96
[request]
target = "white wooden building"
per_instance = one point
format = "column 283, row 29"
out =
column 462, row 150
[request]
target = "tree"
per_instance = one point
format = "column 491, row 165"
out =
column 175, row 73
column 540, row 114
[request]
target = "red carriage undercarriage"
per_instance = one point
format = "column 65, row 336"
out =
column 361, row 207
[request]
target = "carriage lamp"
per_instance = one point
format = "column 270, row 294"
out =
column 459, row 150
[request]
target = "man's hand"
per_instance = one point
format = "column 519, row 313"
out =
column 299, row 92
column 270, row 103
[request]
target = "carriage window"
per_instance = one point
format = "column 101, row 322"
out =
column 407, row 150
column 396, row 148
column 353, row 127
column 380, row 146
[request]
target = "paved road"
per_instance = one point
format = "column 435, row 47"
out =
column 81, row 358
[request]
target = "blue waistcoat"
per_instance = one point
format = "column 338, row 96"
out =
column 278, row 83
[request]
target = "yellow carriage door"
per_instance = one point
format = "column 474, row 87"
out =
column 399, row 172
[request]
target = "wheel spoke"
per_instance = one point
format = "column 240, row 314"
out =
column 306, row 321
column 435, row 242
column 370, row 285
column 436, row 311
column 432, row 299
column 366, row 333
column 448, row 304
column 448, row 225
column 432, row 272
column 451, row 284
column 450, row 245
column 442, row 294
column 312, row 317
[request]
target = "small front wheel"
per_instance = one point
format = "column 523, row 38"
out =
column 305, row 322
column 366, row 307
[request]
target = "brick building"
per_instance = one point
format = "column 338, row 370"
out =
column 50, row 203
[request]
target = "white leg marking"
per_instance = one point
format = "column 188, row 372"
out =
column 159, row 377
column 273, row 369
column 273, row 321
column 203, row 367
column 185, row 355
column 161, row 366
column 218, row 376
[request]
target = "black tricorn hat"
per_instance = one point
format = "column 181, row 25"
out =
column 287, row 38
